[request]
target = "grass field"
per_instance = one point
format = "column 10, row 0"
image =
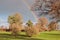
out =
column 53, row 35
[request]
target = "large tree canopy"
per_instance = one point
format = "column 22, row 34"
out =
column 47, row 7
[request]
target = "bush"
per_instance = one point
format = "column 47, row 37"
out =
column 31, row 31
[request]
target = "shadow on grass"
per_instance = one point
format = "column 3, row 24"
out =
column 52, row 34
column 23, row 37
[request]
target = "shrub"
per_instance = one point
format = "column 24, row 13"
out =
column 30, row 29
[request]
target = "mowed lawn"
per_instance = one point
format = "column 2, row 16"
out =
column 53, row 35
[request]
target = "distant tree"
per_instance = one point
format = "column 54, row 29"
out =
column 38, row 26
column 15, row 22
column 30, row 29
column 52, row 26
column 43, row 22
column 10, row 19
column 16, row 18
column 29, row 23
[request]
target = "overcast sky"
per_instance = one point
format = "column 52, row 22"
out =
column 9, row 7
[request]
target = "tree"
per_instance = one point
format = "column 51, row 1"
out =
column 30, row 29
column 38, row 26
column 15, row 22
column 52, row 26
column 16, row 18
column 47, row 7
column 43, row 22
column 29, row 23
column 55, row 10
column 10, row 19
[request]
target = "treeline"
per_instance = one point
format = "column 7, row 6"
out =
column 16, row 25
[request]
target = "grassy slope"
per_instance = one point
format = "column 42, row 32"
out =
column 53, row 35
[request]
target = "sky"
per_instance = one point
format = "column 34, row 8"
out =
column 9, row 7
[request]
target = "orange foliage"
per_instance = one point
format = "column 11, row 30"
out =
column 52, row 26
column 30, row 31
column 43, row 21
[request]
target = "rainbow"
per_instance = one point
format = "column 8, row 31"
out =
column 27, row 4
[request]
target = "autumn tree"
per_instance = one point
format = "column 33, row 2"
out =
column 47, row 7
column 52, row 26
column 30, row 29
column 15, row 22
column 55, row 10
column 38, row 26
column 43, row 22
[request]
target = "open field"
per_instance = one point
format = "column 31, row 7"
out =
column 53, row 35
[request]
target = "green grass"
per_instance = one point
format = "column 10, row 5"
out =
column 53, row 35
